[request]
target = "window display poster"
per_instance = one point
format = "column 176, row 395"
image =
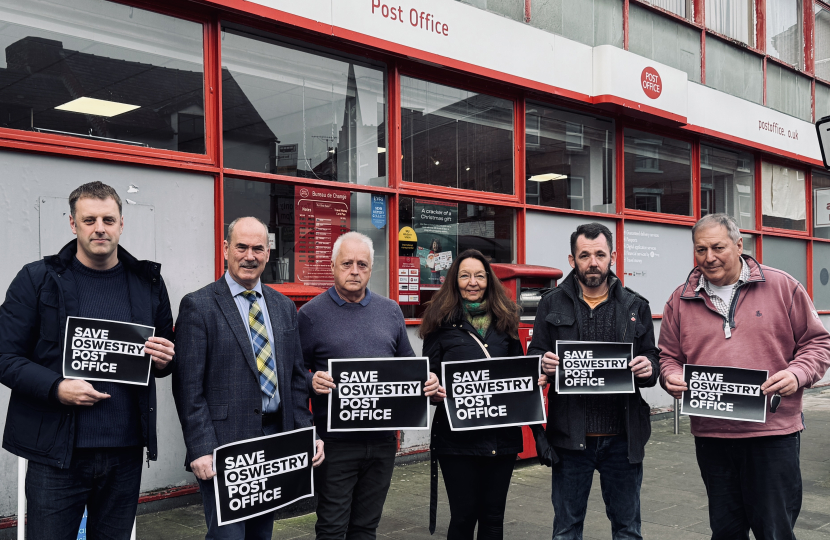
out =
column 322, row 215
column 409, row 280
column 436, row 225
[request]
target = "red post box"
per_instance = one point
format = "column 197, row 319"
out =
column 526, row 283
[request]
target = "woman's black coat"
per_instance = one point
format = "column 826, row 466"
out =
column 452, row 341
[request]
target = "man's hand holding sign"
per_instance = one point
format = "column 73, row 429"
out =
column 639, row 366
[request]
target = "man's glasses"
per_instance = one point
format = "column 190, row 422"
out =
column 774, row 402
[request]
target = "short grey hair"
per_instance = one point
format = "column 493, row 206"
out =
column 353, row 235
column 234, row 222
column 724, row 220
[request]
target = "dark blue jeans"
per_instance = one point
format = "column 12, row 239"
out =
column 620, row 482
column 752, row 483
column 105, row 480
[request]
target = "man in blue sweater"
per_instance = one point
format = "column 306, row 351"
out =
column 349, row 321
column 83, row 441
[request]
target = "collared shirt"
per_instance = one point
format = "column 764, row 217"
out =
column 719, row 303
column 340, row 301
column 269, row 404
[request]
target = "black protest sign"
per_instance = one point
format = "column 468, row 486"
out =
column 99, row 350
column 374, row 394
column 593, row 367
column 724, row 392
column 493, row 392
column 256, row 476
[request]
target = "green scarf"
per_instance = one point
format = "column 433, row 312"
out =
column 477, row 314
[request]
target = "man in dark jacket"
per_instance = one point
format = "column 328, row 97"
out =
column 83, row 442
column 604, row 432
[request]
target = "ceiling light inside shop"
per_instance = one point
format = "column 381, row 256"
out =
column 546, row 177
column 381, row 150
column 96, row 107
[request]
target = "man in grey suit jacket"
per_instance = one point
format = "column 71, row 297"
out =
column 240, row 371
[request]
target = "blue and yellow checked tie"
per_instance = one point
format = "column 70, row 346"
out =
column 262, row 347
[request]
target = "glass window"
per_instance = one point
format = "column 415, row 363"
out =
column 678, row 7
column 821, row 275
column 303, row 223
column 658, row 173
column 784, row 24
column 555, row 248
column 512, row 9
column 102, row 71
column 821, row 202
column 788, row 255
column 789, row 92
column 569, row 159
column 822, row 100
column 664, row 40
column 749, row 244
column 822, row 44
column 592, row 22
column 734, row 70
column 443, row 230
column 296, row 113
column 455, row 138
column 732, row 18
column 727, row 178
column 783, row 200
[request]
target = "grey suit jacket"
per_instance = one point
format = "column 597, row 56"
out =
column 216, row 381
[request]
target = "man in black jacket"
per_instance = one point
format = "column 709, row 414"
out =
column 84, row 442
column 604, row 432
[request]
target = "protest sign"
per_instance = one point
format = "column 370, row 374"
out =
column 99, row 350
column 724, row 392
column 594, row 367
column 260, row 475
column 375, row 394
column 493, row 392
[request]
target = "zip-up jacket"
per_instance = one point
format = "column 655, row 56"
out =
column 773, row 326
column 558, row 318
column 32, row 334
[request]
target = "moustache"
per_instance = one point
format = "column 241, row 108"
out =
column 251, row 266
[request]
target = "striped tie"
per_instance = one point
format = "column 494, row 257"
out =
column 262, row 347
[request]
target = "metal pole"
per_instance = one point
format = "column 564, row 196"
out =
column 21, row 498
column 676, row 416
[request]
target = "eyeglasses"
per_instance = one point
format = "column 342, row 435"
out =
column 480, row 276
column 774, row 402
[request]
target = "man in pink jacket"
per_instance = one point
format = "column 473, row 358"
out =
column 733, row 311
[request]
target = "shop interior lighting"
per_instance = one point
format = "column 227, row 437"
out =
column 381, row 150
column 96, row 107
column 546, row 177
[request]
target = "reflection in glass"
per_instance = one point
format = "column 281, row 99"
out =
column 455, row 138
column 749, row 244
column 783, row 200
column 569, row 159
column 821, row 201
column 658, row 173
column 732, row 18
column 102, row 71
column 726, row 184
column 821, row 275
column 784, row 23
column 296, row 113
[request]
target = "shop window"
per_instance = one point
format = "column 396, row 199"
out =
column 822, row 46
column 656, row 259
column 441, row 231
column 784, row 31
column 734, row 70
column 821, row 205
column 294, row 112
column 658, row 173
column 592, row 22
column 569, row 159
column 727, row 179
column 783, row 200
column 788, row 255
column 821, row 275
column 303, row 223
column 678, row 7
column 512, row 9
column 731, row 18
column 455, row 138
column 102, row 71
column 789, row 92
column 749, row 245
column 822, row 100
column 664, row 40
column 553, row 251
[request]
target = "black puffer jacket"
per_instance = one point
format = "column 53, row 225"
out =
column 452, row 341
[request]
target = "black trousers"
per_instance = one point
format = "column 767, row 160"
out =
column 477, row 491
column 351, row 487
column 752, row 483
